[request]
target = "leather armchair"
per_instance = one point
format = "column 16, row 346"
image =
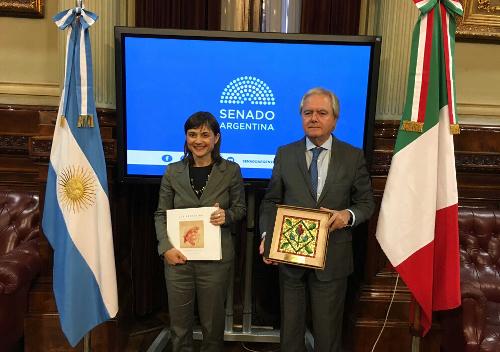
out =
column 480, row 278
column 20, row 261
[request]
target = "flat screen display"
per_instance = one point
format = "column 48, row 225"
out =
column 251, row 82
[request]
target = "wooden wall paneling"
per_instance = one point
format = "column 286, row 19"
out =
column 25, row 140
column 477, row 153
column 17, row 170
column 477, row 158
column 44, row 333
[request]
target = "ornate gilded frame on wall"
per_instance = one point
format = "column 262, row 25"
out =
column 481, row 20
column 21, row 8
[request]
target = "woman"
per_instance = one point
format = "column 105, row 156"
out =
column 203, row 178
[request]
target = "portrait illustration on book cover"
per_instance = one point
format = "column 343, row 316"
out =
column 192, row 235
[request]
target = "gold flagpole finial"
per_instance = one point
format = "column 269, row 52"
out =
column 455, row 128
column 412, row 126
column 85, row 121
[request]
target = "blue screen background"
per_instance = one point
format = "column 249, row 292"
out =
column 166, row 80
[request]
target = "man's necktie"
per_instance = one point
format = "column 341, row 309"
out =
column 313, row 170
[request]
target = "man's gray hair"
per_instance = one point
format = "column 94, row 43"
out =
column 326, row 92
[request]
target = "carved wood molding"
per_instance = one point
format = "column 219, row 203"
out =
column 464, row 162
column 477, row 162
column 477, row 148
column 40, row 149
column 14, row 144
column 28, row 131
column 381, row 162
column 387, row 129
column 33, row 138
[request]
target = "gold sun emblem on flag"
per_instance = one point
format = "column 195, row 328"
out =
column 76, row 188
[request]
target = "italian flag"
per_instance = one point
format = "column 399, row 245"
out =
column 418, row 221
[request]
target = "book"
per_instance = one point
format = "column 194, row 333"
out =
column 300, row 236
column 190, row 231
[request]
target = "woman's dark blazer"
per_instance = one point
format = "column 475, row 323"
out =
column 224, row 186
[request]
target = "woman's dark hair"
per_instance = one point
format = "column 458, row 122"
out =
column 197, row 120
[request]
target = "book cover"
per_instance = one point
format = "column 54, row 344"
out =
column 191, row 232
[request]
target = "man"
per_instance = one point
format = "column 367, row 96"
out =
column 318, row 171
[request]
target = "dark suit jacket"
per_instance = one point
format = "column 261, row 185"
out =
column 347, row 185
column 224, row 186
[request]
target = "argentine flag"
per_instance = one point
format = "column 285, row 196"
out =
column 76, row 217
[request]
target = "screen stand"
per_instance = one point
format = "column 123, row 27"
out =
column 246, row 332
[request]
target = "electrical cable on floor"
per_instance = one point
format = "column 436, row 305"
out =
column 387, row 314
column 252, row 350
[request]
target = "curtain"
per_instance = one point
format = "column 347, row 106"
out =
column 180, row 14
column 330, row 16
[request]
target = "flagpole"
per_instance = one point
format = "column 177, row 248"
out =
column 417, row 226
column 415, row 327
column 86, row 343
column 84, row 275
column 415, row 343
column 86, row 338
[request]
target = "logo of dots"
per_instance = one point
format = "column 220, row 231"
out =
column 247, row 88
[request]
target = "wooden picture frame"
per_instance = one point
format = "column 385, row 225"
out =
column 481, row 20
column 21, row 8
column 300, row 236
